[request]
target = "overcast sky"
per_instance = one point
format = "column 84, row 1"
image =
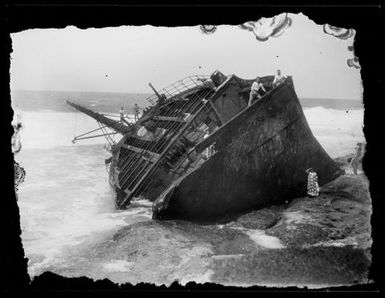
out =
column 127, row 58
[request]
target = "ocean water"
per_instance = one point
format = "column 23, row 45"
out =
column 55, row 100
column 67, row 206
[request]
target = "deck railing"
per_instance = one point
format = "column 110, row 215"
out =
column 182, row 86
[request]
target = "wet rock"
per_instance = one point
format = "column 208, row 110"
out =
column 150, row 252
column 223, row 240
column 309, row 241
column 260, row 219
column 311, row 267
column 344, row 162
column 322, row 241
column 352, row 187
column 299, row 234
column 342, row 210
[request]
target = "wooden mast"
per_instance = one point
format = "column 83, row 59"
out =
column 113, row 124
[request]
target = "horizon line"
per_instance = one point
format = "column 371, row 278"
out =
column 144, row 93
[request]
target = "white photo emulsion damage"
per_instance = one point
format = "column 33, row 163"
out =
column 224, row 154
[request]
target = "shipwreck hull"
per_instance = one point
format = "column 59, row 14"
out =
column 202, row 154
column 262, row 156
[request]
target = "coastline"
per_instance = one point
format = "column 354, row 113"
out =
column 308, row 242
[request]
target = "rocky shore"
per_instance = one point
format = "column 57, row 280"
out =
column 308, row 242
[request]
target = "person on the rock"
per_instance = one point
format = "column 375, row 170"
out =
column 312, row 183
column 278, row 78
column 357, row 158
column 257, row 90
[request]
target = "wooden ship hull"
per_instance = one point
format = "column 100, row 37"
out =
column 202, row 154
column 262, row 157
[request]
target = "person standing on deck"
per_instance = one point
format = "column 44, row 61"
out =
column 257, row 90
column 136, row 112
column 312, row 183
column 278, row 78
